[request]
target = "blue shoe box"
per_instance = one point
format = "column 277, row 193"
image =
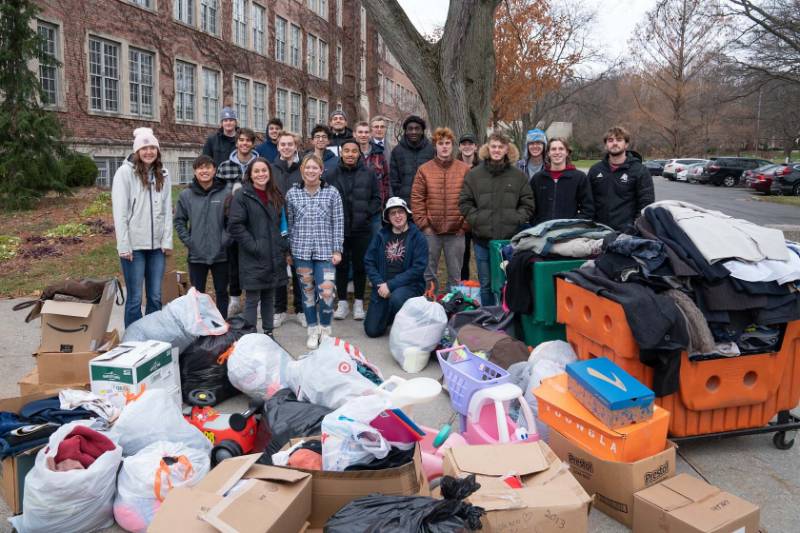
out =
column 610, row 393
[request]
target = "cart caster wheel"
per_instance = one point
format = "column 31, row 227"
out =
column 780, row 442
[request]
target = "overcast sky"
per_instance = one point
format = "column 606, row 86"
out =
column 616, row 19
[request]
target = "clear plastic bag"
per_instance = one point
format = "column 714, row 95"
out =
column 547, row 360
column 147, row 477
column 73, row 500
column 349, row 439
column 417, row 329
column 154, row 417
column 180, row 322
column 257, row 366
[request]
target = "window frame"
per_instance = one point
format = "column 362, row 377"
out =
column 57, row 69
column 283, row 115
column 262, row 124
column 280, row 44
column 203, row 18
column 140, row 103
column 237, row 24
column 258, row 9
column 103, row 68
column 190, row 8
column 184, row 119
column 299, row 99
column 209, row 110
column 242, row 108
column 295, row 52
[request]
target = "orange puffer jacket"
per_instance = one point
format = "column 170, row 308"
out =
column 434, row 196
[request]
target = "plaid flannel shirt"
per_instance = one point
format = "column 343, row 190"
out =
column 316, row 223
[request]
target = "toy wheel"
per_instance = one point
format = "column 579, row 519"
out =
column 225, row 450
column 780, row 442
column 201, row 398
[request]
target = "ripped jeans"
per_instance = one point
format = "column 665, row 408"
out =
column 318, row 287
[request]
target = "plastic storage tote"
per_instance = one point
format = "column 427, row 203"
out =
column 498, row 275
column 465, row 373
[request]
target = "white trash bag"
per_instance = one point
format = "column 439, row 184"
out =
column 154, row 417
column 73, row 500
column 349, row 439
column 180, row 322
column 417, row 330
column 257, row 366
column 147, row 477
column 547, row 360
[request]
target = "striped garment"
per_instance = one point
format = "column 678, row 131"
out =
column 316, row 222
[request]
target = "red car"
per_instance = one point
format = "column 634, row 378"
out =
column 761, row 178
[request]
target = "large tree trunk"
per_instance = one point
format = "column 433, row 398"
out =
column 454, row 76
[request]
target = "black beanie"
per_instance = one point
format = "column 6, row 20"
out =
column 414, row 118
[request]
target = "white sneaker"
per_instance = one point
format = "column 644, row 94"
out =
column 342, row 310
column 301, row 317
column 278, row 319
column 313, row 337
column 358, row 310
column 234, row 306
column 325, row 331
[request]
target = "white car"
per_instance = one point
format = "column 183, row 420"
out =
column 690, row 172
column 674, row 166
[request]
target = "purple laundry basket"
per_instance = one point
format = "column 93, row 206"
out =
column 465, row 373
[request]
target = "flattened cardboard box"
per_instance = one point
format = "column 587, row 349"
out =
column 613, row 483
column 238, row 495
column 333, row 490
column 550, row 501
column 69, row 368
column 31, row 383
column 74, row 326
column 685, row 504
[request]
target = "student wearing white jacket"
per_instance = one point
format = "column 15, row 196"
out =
column 141, row 199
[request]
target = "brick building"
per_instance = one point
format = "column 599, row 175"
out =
column 173, row 64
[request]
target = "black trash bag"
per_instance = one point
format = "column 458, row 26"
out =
column 412, row 514
column 199, row 366
column 492, row 318
column 286, row 417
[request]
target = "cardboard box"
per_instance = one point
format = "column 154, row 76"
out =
column 76, row 327
column 133, row 367
column 685, row 504
column 562, row 412
column 238, row 495
column 330, row 491
column 613, row 483
column 610, row 393
column 32, row 383
column 551, row 499
column 175, row 283
column 70, row 368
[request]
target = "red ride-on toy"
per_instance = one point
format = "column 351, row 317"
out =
column 231, row 434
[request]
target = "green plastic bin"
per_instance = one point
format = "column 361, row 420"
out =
column 544, row 302
column 534, row 333
column 498, row 275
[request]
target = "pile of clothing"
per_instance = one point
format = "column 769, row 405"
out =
column 697, row 280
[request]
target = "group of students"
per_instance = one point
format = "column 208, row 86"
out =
column 262, row 217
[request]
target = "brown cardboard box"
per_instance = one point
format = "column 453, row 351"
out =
column 550, row 500
column 174, row 284
column 268, row 500
column 613, row 483
column 67, row 368
column 685, row 504
column 330, row 491
column 31, row 383
column 14, row 469
column 76, row 327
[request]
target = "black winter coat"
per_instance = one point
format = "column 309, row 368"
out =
column 569, row 197
column 406, row 159
column 262, row 249
column 286, row 174
column 338, row 138
column 219, row 146
column 620, row 196
column 361, row 198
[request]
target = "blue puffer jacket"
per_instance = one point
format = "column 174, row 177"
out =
column 413, row 266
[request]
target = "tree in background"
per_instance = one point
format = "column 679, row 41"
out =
column 30, row 137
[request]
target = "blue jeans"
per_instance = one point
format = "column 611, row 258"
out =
column 484, row 273
column 381, row 311
column 318, row 286
column 147, row 266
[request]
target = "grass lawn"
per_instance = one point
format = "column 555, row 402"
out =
column 584, row 163
column 787, row 200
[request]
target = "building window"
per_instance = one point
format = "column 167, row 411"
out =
column 240, row 22
column 104, row 75
column 48, row 74
column 184, row 11
column 281, row 98
column 259, row 106
column 323, row 111
column 320, row 7
column 363, row 75
column 106, row 168
column 311, row 54
column 339, row 13
column 240, row 97
column 294, row 45
column 387, row 96
column 323, row 60
column 259, row 20
column 295, row 117
column 311, row 114
column 184, row 90
column 210, row 95
column 144, row 3
column 339, row 73
column 141, row 82
column 363, row 25
column 280, row 39
column 185, row 170
column 208, row 16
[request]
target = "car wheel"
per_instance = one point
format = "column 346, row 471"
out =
column 729, row 181
column 796, row 189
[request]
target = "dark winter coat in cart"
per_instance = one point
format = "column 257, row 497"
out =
column 262, row 250
column 568, row 197
column 200, row 222
column 361, row 198
column 622, row 193
column 406, row 159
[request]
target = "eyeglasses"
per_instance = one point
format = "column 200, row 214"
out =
column 320, row 137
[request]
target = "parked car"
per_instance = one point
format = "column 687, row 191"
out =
column 655, row 166
column 788, row 180
column 728, row 171
column 673, row 166
column 761, row 179
column 690, row 172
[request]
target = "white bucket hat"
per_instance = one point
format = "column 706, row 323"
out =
column 395, row 201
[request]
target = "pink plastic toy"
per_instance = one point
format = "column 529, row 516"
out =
column 433, row 455
column 487, row 421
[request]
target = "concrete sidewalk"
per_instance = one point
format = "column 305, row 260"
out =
column 749, row 467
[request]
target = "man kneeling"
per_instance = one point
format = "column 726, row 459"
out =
column 395, row 263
